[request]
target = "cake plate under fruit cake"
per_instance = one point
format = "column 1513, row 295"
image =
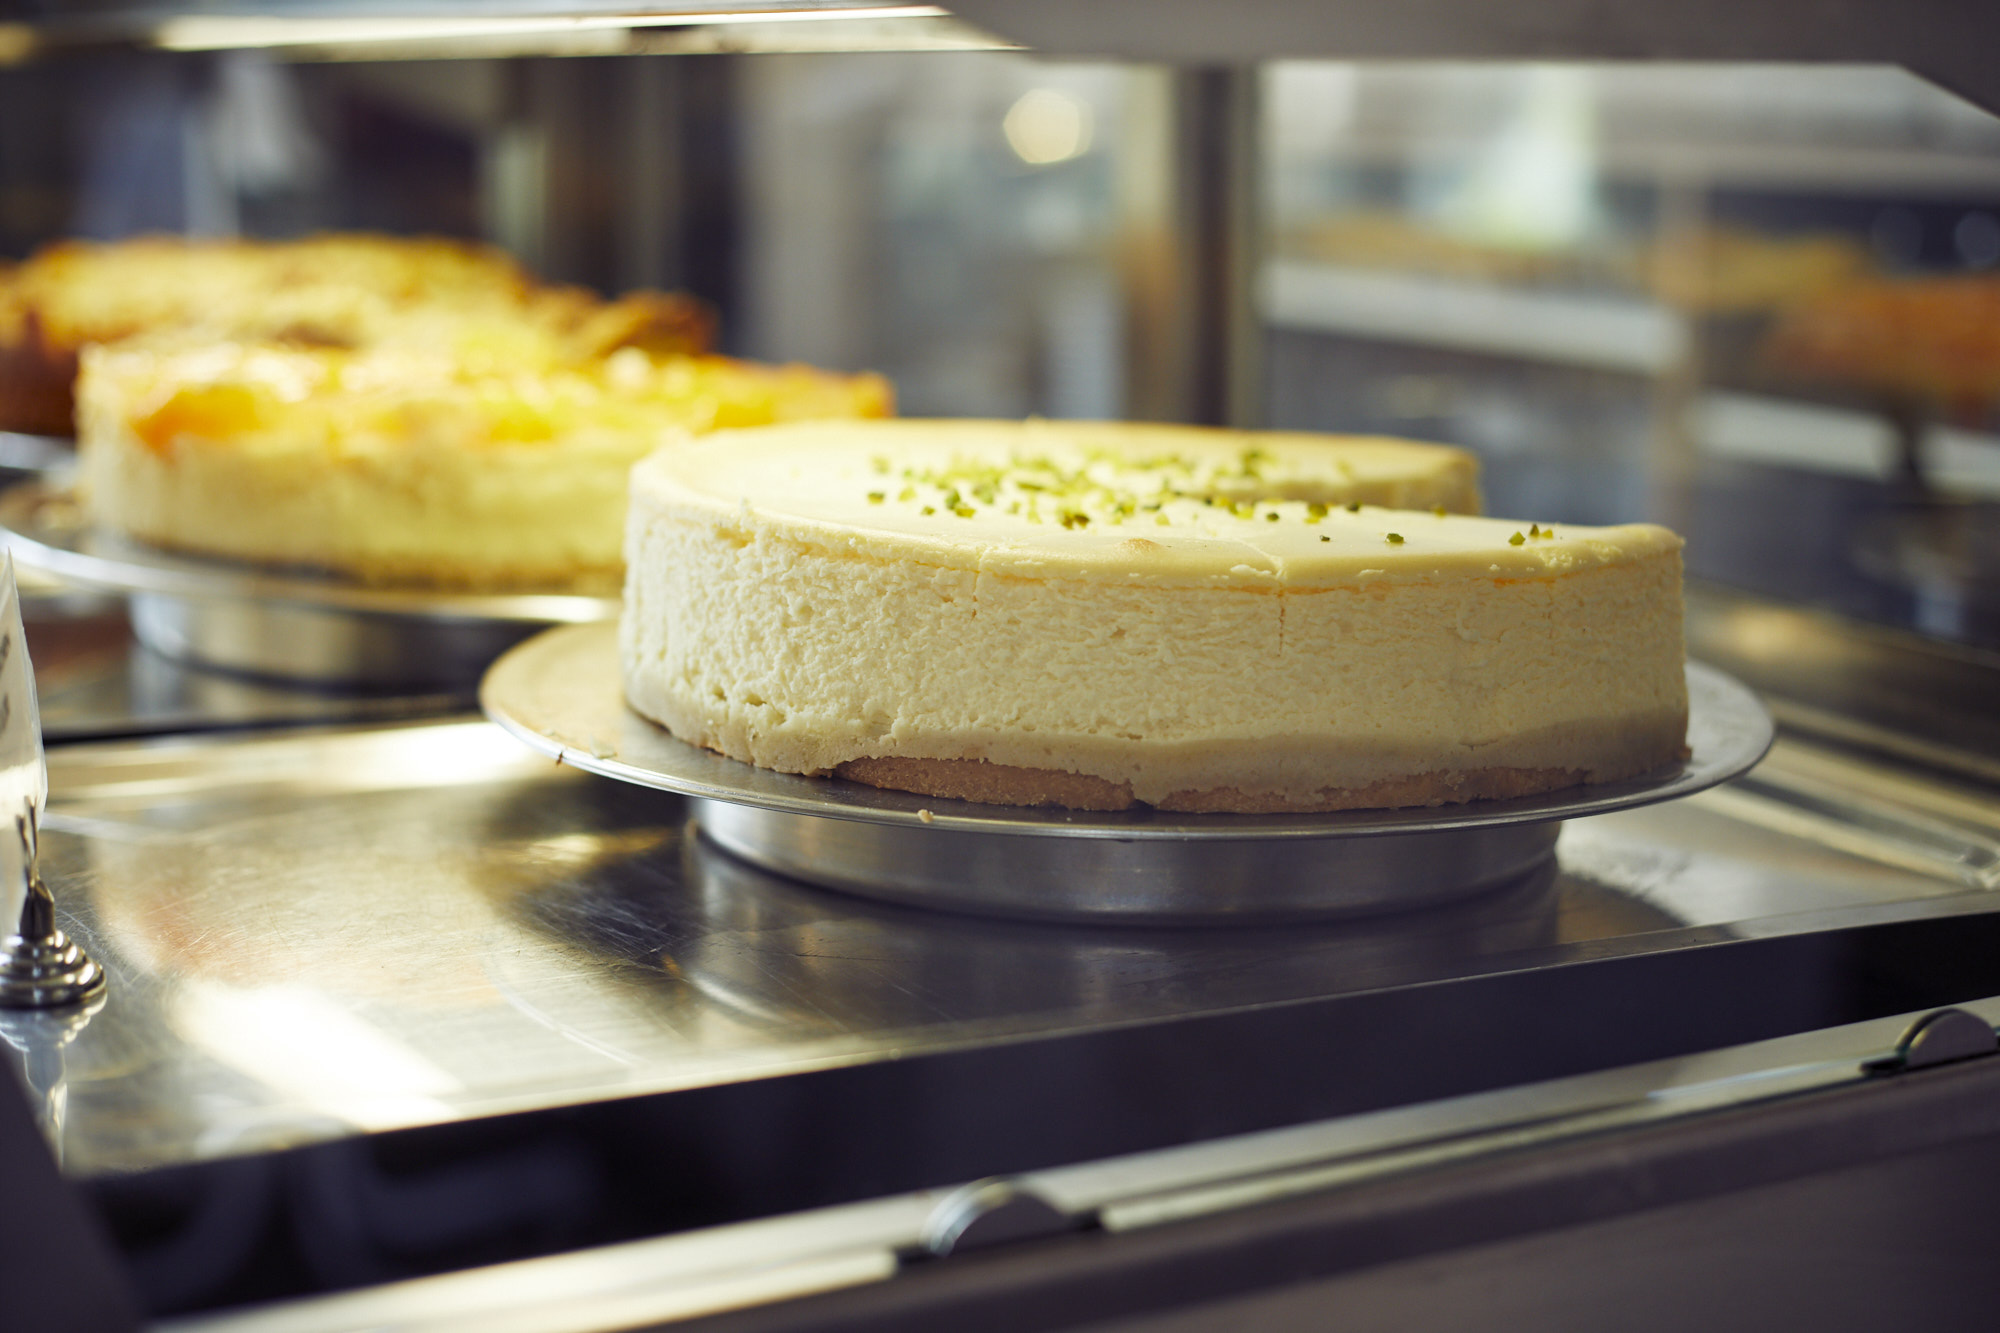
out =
column 560, row 693
column 292, row 625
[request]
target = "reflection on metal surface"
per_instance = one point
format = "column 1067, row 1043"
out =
column 314, row 1051
column 990, row 1212
column 93, row 682
column 285, row 641
column 560, row 694
column 134, row 691
column 1241, row 879
column 1862, row 827
column 1882, row 690
column 795, row 958
column 290, row 625
column 499, row 932
column 38, row 1037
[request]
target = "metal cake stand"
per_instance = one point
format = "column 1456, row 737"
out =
column 560, row 693
column 294, row 625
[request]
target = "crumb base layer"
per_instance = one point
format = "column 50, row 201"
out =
column 1003, row 784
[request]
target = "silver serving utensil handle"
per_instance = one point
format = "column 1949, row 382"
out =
column 40, row 967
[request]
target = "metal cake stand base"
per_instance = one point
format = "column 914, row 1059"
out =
column 560, row 693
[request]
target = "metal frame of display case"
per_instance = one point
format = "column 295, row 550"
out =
column 1544, row 1185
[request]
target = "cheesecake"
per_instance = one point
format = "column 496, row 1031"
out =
column 1102, row 616
column 490, row 457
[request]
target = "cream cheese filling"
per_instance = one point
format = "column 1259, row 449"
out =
column 777, row 613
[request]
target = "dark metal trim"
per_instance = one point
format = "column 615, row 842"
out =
column 1092, row 1276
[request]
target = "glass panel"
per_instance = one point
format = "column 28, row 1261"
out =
column 949, row 220
column 1754, row 302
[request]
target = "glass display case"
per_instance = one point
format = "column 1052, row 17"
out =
column 410, row 1027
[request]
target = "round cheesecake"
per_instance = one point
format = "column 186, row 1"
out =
column 486, row 458
column 1096, row 616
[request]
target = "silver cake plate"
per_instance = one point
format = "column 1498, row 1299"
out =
column 560, row 693
column 294, row 625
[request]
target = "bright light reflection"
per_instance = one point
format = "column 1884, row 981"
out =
column 1047, row 126
column 233, row 32
column 307, row 1048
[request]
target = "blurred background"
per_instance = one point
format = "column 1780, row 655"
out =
column 1760, row 303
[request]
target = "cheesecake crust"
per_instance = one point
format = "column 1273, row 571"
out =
column 1007, row 784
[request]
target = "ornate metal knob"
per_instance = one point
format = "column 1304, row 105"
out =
column 40, row 966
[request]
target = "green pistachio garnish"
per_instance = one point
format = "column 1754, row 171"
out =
column 1101, row 487
column 1534, row 529
column 1323, row 537
column 1438, row 510
column 1395, row 539
column 1516, row 540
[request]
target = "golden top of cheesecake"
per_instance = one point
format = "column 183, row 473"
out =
column 330, row 288
column 336, row 290
column 497, row 383
column 1124, row 503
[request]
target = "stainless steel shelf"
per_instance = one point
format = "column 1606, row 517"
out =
column 316, row 935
